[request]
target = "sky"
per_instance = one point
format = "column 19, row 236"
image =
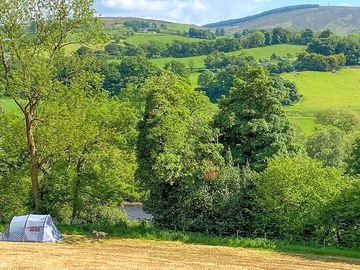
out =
column 199, row 11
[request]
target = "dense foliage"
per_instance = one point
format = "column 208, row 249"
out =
column 251, row 121
column 176, row 146
column 332, row 45
column 202, row 34
column 293, row 194
column 318, row 62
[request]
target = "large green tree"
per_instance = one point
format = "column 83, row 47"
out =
column 252, row 122
column 176, row 145
column 32, row 36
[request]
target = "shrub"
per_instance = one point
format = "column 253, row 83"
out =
column 343, row 120
column 342, row 217
column 292, row 193
column 318, row 62
column 329, row 146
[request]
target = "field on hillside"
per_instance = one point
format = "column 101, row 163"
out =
column 8, row 104
column 84, row 253
column 258, row 53
column 142, row 38
column 323, row 90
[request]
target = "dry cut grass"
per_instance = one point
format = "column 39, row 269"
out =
column 85, row 253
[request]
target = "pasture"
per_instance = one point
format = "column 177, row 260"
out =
column 8, row 104
column 142, row 38
column 87, row 253
column 323, row 90
column 258, row 53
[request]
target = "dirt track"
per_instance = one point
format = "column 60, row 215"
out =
column 81, row 253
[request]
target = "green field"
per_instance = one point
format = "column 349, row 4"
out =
column 8, row 104
column 257, row 53
column 142, row 38
column 323, row 90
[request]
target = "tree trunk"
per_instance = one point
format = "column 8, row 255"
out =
column 75, row 200
column 77, row 183
column 34, row 162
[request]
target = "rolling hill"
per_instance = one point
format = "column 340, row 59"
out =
column 339, row 19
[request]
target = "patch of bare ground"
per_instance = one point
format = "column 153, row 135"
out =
column 86, row 253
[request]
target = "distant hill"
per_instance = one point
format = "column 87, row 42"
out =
column 119, row 21
column 341, row 20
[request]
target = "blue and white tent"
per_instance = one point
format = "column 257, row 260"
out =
column 31, row 228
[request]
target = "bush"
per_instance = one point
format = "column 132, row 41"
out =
column 292, row 194
column 318, row 62
column 343, row 120
column 224, row 205
column 329, row 146
column 342, row 218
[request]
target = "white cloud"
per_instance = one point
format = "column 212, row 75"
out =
column 344, row 4
column 154, row 5
column 130, row 5
column 175, row 9
column 199, row 5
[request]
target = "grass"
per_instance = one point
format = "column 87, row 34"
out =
column 323, row 90
column 71, row 48
column 258, row 53
column 88, row 253
column 194, row 78
column 303, row 126
column 138, row 244
column 8, row 104
column 141, row 38
column 149, row 232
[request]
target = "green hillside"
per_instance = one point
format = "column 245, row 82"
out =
column 323, row 90
column 141, row 38
column 111, row 22
column 8, row 104
column 258, row 53
column 341, row 20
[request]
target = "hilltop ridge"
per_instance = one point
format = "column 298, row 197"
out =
column 341, row 20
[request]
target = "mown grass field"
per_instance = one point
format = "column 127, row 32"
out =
column 323, row 90
column 87, row 253
column 257, row 53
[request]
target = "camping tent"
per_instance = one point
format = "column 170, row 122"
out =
column 31, row 228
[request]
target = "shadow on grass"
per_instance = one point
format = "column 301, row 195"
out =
column 77, row 239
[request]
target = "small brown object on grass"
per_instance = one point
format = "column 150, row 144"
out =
column 99, row 235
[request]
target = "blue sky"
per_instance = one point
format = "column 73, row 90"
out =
column 199, row 11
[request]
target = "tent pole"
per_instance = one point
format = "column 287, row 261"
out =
column 42, row 230
column 22, row 236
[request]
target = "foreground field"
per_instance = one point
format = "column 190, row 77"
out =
column 84, row 253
